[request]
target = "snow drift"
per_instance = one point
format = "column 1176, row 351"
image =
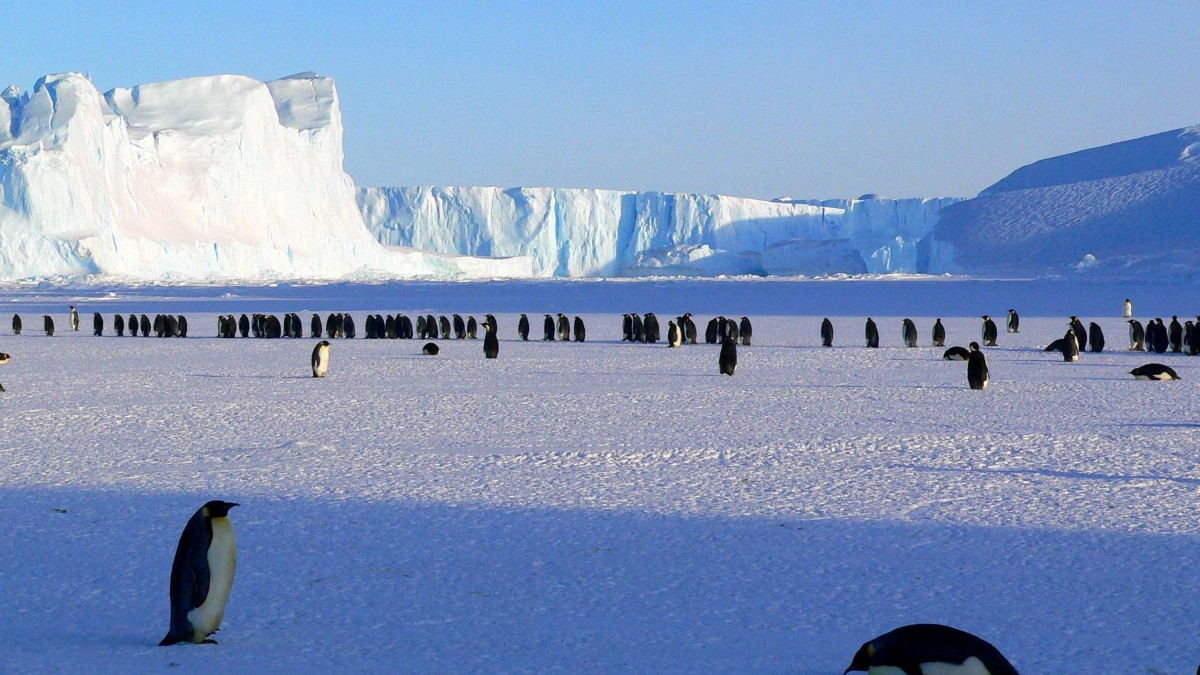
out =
column 218, row 177
column 577, row 232
column 1126, row 209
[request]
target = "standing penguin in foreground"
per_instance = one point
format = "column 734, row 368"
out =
column 202, row 575
column 977, row 370
column 939, row 334
column 930, row 648
column 872, row 334
column 1080, row 332
column 728, row 358
column 1014, row 321
column 826, row 333
column 491, row 343
column 910, row 333
column 989, row 331
column 74, row 319
column 320, row 359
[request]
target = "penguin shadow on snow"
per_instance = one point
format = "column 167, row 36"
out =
column 1051, row 473
column 542, row 588
column 249, row 377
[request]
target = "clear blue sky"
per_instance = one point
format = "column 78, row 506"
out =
column 808, row 99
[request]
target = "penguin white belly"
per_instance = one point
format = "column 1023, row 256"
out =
column 971, row 666
column 222, row 563
column 322, row 365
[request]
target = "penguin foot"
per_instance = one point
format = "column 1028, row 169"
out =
column 209, row 641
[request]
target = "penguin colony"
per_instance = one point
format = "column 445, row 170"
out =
column 1155, row 335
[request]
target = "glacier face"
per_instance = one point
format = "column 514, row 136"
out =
column 582, row 232
column 207, row 178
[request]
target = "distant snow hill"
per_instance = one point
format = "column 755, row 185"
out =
column 1126, row 209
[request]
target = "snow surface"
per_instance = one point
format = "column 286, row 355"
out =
column 1131, row 206
column 602, row 506
column 220, row 177
column 582, row 232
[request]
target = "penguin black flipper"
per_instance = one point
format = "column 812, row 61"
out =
column 189, row 577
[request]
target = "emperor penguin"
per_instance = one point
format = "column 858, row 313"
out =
column 1175, row 335
column 826, row 333
column 460, row 327
column 1154, row 371
column 728, row 358
column 710, row 332
column 347, row 327
column 1194, row 340
column 564, row 328
column 491, row 343
column 473, row 328
column 331, row 326
column 674, row 339
column 182, row 326
column 132, row 325
column 939, row 334
column 977, row 369
column 431, row 331
column 872, row 334
column 4, row 358
column 119, row 325
column 910, row 333
column 430, row 349
column 368, row 327
column 1080, row 332
column 1070, row 350
column 145, row 323
column 639, row 328
column 731, row 329
column 746, row 329
column 989, row 331
column 650, row 328
column 1128, row 308
column 929, row 648
column 580, row 330
column 74, row 319
column 1161, row 340
column 1014, row 321
column 1137, row 336
column 16, row 324
column 689, row 330
column 48, row 325
column 202, row 575
column 97, row 324
column 315, row 327
column 548, row 328
column 956, row 354
column 320, row 359
column 444, row 325
column 1095, row 337
column 626, row 327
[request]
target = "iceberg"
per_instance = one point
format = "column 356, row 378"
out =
column 207, row 178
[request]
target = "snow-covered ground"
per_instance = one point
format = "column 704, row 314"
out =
column 601, row 507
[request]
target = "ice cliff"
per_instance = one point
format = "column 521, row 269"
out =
column 1128, row 209
column 579, row 232
column 206, row 178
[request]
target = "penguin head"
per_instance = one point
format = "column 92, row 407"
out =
column 863, row 658
column 985, row 317
column 974, row 346
column 217, row 508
